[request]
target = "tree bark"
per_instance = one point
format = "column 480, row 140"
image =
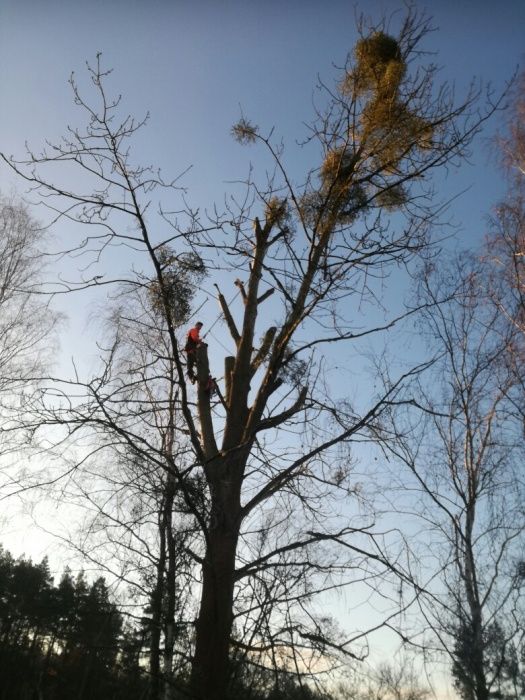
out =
column 210, row 670
column 171, row 592
column 156, row 614
column 210, row 666
column 475, row 607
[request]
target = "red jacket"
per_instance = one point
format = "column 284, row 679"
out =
column 193, row 339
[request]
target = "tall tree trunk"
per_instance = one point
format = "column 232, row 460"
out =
column 170, row 593
column 156, row 613
column 210, row 666
column 473, row 597
column 210, row 670
column 480, row 679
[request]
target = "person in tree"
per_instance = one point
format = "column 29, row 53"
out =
column 193, row 341
column 211, row 385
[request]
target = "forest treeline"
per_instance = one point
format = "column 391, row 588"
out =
column 63, row 641
column 70, row 640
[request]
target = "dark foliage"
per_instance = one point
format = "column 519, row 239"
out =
column 504, row 660
column 64, row 641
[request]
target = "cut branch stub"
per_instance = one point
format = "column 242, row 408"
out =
column 229, row 364
column 203, row 400
column 242, row 290
column 228, row 317
column 264, row 349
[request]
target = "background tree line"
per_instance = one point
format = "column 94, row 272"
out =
column 71, row 640
column 65, row 640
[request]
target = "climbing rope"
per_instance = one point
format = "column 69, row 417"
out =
column 218, row 342
column 197, row 310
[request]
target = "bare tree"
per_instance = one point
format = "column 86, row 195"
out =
column 26, row 326
column 461, row 441
column 512, row 144
column 505, row 246
column 389, row 681
column 23, row 320
column 272, row 441
column 138, row 521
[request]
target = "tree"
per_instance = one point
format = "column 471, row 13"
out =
column 137, row 525
column 503, row 659
column 505, row 247
column 388, row 682
column 24, row 322
column 462, row 444
column 58, row 641
column 275, row 444
column 27, row 336
column 512, row 144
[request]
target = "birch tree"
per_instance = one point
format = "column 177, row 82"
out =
column 462, row 443
column 27, row 328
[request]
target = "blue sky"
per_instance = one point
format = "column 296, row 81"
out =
column 195, row 65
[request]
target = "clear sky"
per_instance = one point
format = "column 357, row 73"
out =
column 196, row 64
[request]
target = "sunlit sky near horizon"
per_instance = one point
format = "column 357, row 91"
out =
column 195, row 66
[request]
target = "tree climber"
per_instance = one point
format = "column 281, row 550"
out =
column 193, row 341
column 211, row 385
